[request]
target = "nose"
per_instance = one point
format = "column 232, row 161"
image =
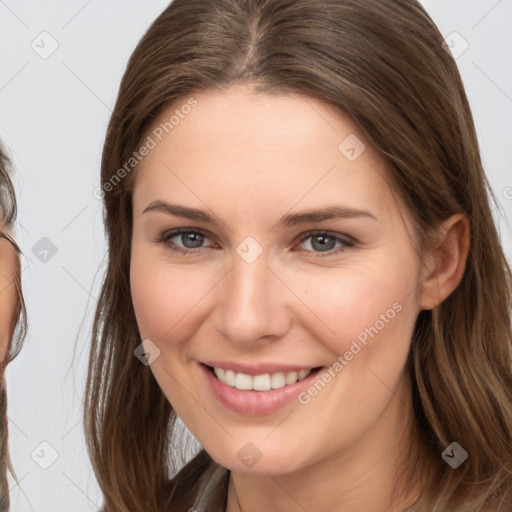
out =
column 251, row 307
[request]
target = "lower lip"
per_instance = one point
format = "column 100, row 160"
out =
column 256, row 403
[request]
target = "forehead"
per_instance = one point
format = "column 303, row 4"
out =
column 238, row 147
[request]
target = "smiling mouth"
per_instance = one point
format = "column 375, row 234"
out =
column 263, row 382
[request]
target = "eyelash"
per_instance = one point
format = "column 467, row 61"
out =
column 166, row 237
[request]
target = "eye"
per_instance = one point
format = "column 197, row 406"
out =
column 325, row 242
column 191, row 240
column 321, row 243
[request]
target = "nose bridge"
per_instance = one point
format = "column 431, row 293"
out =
column 250, row 308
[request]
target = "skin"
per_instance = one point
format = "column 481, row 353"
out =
column 9, row 271
column 250, row 159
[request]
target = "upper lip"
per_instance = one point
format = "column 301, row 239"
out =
column 258, row 368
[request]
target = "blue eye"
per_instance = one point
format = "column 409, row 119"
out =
column 323, row 243
column 191, row 240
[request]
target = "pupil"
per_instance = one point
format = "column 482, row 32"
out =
column 196, row 240
column 326, row 242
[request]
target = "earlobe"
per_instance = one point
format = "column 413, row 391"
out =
column 446, row 263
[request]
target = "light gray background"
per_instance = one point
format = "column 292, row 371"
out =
column 54, row 113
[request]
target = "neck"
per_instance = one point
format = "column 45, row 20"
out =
column 360, row 478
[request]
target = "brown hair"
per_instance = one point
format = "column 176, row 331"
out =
column 381, row 62
column 8, row 211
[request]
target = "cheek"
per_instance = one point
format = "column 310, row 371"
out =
column 164, row 296
column 362, row 302
column 8, row 307
column 341, row 304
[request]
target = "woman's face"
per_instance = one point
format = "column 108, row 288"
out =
column 269, row 286
column 9, row 273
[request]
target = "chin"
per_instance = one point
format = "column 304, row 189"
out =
column 256, row 459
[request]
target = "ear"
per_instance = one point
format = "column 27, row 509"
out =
column 445, row 265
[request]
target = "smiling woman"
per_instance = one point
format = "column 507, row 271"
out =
column 318, row 225
column 12, row 313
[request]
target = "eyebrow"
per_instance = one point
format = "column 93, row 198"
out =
column 288, row 220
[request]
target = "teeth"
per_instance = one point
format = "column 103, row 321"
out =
column 291, row 378
column 263, row 382
column 243, row 381
column 303, row 373
column 278, row 380
column 230, row 378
